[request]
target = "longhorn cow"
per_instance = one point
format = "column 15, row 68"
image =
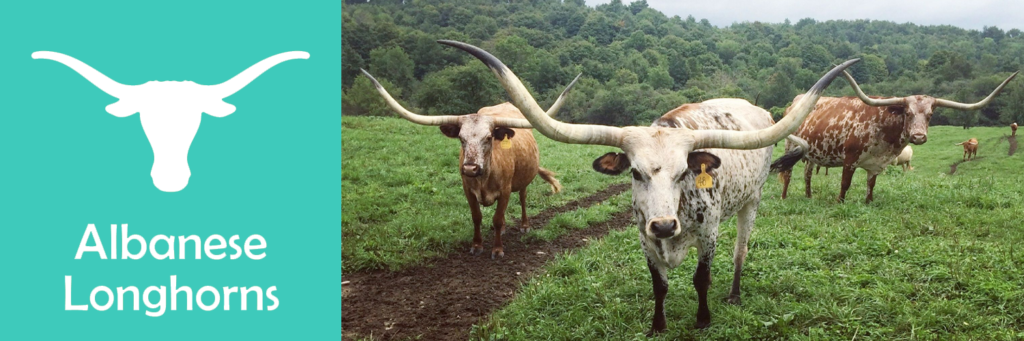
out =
column 728, row 139
column 489, row 174
column 170, row 112
column 1013, row 129
column 863, row 132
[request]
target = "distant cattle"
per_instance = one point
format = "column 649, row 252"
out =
column 904, row 159
column 490, row 171
column 693, row 168
column 1013, row 128
column 863, row 132
column 970, row 148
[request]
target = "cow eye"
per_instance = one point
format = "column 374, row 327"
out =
column 636, row 175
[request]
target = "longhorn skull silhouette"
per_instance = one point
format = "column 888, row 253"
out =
column 170, row 111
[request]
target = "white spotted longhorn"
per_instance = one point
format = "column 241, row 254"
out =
column 730, row 139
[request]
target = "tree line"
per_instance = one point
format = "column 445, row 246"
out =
column 638, row 63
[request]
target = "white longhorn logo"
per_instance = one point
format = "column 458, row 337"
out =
column 170, row 111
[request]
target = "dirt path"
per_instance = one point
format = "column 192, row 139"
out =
column 1013, row 144
column 952, row 167
column 443, row 298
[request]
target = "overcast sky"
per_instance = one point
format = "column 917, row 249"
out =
column 970, row 14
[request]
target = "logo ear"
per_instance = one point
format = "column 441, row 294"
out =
column 121, row 109
column 450, row 130
column 612, row 163
column 695, row 159
column 219, row 108
column 500, row 133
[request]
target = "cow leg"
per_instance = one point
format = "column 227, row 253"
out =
column 499, row 224
column 524, row 223
column 478, row 241
column 659, row 280
column 871, row 187
column 785, row 181
column 744, row 225
column 826, row 171
column 847, row 179
column 702, row 281
column 807, row 180
column 817, row 169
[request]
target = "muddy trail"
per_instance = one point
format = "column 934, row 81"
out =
column 1013, row 143
column 442, row 298
column 952, row 167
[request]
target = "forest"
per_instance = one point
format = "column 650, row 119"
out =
column 637, row 63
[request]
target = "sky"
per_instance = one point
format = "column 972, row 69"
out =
column 976, row 14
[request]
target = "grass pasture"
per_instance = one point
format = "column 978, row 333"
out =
column 402, row 198
column 934, row 257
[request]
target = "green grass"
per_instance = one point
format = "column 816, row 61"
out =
column 402, row 198
column 934, row 257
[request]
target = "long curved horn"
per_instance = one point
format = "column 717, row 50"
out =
column 409, row 115
column 95, row 77
column 561, row 97
column 872, row 101
column 730, row 139
column 239, row 81
column 957, row 105
column 521, row 98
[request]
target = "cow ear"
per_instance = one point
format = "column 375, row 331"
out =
column 450, row 130
column 695, row 159
column 500, row 133
column 612, row 163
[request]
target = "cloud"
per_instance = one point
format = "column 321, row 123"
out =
column 1006, row 14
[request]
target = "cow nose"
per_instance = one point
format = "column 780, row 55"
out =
column 470, row 170
column 918, row 138
column 664, row 227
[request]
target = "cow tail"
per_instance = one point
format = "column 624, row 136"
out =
column 549, row 176
column 795, row 151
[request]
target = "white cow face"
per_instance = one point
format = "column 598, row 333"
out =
column 663, row 167
column 170, row 112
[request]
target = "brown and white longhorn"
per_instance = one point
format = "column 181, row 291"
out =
column 727, row 139
column 490, row 173
column 863, row 132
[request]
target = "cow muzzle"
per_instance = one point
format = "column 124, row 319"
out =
column 170, row 177
column 472, row 170
column 918, row 139
column 665, row 227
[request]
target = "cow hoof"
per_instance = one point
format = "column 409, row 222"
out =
column 654, row 332
column 476, row 250
column 702, row 324
column 497, row 253
column 734, row 300
column 524, row 230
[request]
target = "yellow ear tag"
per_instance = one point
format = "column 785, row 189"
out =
column 506, row 143
column 704, row 179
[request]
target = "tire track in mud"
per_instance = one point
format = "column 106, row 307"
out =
column 442, row 298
